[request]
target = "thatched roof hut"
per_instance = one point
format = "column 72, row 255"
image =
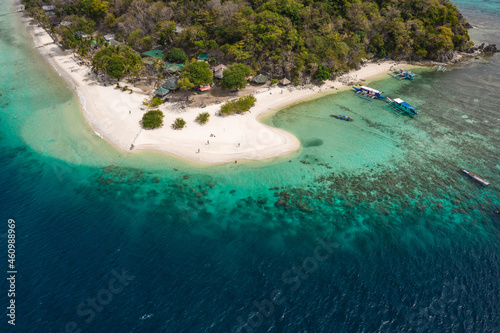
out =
column 285, row 82
column 259, row 79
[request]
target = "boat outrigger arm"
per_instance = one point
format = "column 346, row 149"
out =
column 398, row 106
column 368, row 92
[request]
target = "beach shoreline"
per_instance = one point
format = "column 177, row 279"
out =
column 115, row 115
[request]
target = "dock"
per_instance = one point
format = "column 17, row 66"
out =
column 478, row 179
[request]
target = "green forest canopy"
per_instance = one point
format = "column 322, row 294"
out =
column 281, row 36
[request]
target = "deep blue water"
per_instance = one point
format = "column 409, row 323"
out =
column 384, row 247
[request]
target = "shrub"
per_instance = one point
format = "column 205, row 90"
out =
column 179, row 123
column 202, row 118
column 196, row 74
column 156, row 101
column 243, row 104
column 323, row 73
column 234, row 76
column 176, row 55
column 274, row 81
column 152, row 119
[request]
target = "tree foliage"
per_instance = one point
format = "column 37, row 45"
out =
column 179, row 123
column 234, row 76
column 241, row 105
column 323, row 73
column 202, row 118
column 279, row 37
column 115, row 61
column 176, row 55
column 195, row 74
column 152, row 119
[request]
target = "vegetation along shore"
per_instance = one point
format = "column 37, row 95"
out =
column 203, row 60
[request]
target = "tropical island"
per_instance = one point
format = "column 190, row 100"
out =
column 165, row 76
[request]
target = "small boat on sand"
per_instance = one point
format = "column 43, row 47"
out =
column 478, row 179
column 341, row 117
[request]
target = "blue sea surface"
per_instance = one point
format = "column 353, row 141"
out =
column 369, row 227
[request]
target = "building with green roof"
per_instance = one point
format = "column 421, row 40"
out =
column 203, row 56
column 154, row 53
column 173, row 67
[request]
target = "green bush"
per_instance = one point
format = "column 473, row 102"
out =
column 323, row 73
column 243, row 104
column 195, row 74
column 179, row 123
column 274, row 81
column 152, row 119
column 115, row 61
column 156, row 101
column 234, row 76
column 176, row 55
column 202, row 118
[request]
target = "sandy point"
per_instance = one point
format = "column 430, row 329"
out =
column 115, row 115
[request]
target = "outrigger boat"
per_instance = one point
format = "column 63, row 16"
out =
column 368, row 93
column 440, row 68
column 399, row 106
column 341, row 117
column 478, row 179
column 402, row 74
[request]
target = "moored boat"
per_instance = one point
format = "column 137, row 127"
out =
column 368, row 92
column 399, row 106
column 341, row 117
column 402, row 74
column 478, row 179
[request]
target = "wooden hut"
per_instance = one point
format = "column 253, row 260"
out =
column 285, row 82
column 219, row 71
column 259, row 79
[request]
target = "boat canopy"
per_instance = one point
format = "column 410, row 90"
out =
column 371, row 90
column 401, row 102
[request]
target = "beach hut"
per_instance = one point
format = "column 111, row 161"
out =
column 219, row 71
column 205, row 88
column 162, row 92
column 285, row 82
column 171, row 83
column 173, row 67
column 49, row 8
column 109, row 37
column 259, row 79
column 203, row 57
column 154, row 54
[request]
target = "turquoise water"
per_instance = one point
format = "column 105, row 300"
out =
column 415, row 244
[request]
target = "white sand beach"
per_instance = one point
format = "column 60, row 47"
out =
column 115, row 115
